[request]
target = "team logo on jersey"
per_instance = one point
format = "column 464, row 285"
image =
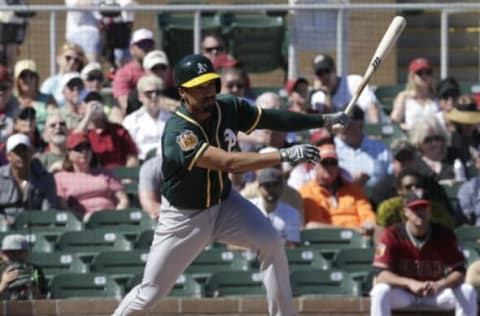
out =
column 187, row 140
column 230, row 139
column 202, row 68
column 380, row 250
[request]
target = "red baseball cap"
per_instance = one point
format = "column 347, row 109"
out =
column 414, row 199
column 327, row 151
column 419, row 64
column 224, row 60
column 291, row 84
column 75, row 139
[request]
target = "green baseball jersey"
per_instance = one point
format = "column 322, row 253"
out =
column 184, row 140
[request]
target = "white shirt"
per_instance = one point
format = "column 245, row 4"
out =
column 414, row 112
column 285, row 219
column 145, row 130
column 344, row 93
column 81, row 21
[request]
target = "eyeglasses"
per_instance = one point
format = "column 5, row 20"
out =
column 152, row 93
column 434, row 138
column 95, row 77
column 211, row 49
column 59, row 124
column 329, row 162
column 322, row 72
column 82, row 147
column 423, row 72
column 410, row 186
column 77, row 60
column 238, row 85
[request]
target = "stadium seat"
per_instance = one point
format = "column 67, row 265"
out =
column 82, row 285
column 122, row 173
column 37, row 242
column 120, row 265
column 357, row 262
column 303, row 258
column 144, row 239
column 56, row 263
column 186, row 286
column 234, row 283
column 386, row 95
column 134, row 219
column 323, row 282
column 468, row 235
column 88, row 243
column 331, row 240
column 471, row 254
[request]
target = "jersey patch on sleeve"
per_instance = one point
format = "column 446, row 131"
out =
column 187, row 140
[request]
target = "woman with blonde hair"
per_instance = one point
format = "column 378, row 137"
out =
column 70, row 59
column 27, row 93
column 418, row 99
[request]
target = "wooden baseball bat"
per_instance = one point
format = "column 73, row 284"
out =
column 389, row 38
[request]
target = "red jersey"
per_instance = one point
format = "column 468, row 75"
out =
column 432, row 259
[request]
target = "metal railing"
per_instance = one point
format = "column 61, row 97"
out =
column 445, row 10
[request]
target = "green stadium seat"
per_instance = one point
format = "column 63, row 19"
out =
column 331, row 240
column 144, row 239
column 56, row 263
column 122, row 173
column 235, row 283
column 258, row 41
column 186, row 286
column 37, row 242
column 323, row 282
column 120, row 265
column 468, row 235
column 304, row 258
column 88, row 243
column 386, row 96
column 84, row 285
column 134, row 219
column 471, row 253
column 357, row 262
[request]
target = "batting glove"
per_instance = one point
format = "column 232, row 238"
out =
column 335, row 118
column 299, row 153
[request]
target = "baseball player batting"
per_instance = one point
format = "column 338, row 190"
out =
column 198, row 204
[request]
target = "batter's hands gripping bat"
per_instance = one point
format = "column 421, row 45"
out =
column 389, row 38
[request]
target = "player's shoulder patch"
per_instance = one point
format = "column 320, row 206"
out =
column 187, row 140
column 380, row 250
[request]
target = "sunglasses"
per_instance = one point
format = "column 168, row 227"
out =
column 95, row 77
column 329, row 162
column 28, row 74
column 81, row 148
column 211, row 49
column 146, row 44
column 59, row 124
column 77, row 60
column 152, row 93
column 238, row 85
column 323, row 72
column 410, row 186
column 423, row 72
column 433, row 138
column 159, row 67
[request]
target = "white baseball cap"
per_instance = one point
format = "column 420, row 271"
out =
column 14, row 242
column 89, row 68
column 17, row 139
column 141, row 35
column 154, row 58
column 66, row 78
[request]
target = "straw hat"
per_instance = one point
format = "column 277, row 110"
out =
column 464, row 114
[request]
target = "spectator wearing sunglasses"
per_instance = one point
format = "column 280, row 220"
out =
column 110, row 142
column 72, row 86
column 332, row 92
column 83, row 186
column 127, row 76
column 235, row 81
column 408, row 180
column 146, row 124
column 430, row 140
column 418, row 100
column 70, row 59
column 55, row 135
column 212, row 46
column 8, row 104
column 28, row 94
column 331, row 201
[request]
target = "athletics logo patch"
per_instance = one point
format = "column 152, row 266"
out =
column 187, row 140
column 201, row 68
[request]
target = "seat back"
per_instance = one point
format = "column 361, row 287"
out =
column 323, row 282
column 354, row 260
column 468, row 235
column 135, row 219
column 185, row 286
column 92, row 241
column 57, row 263
column 144, row 239
column 306, row 258
column 234, row 283
column 120, row 262
column 81, row 285
column 214, row 260
column 47, row 220
column 330, row 240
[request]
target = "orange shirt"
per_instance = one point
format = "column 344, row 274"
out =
column 351, row 207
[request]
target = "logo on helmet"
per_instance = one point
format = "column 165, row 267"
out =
column 202, row 68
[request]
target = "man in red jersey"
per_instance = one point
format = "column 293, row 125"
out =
column 420, row 263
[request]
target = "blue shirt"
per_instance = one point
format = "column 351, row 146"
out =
column 51, row 85
column 372, row 157
column 469, row 198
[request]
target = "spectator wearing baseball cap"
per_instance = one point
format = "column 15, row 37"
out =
column 19, row 279
column 127, row 76
column 330, row 200
column 8, row 104
column 25, row 123
column 332, row 92
column 284, row 218
column 71, row 58
column 418, row 101
column 27, row 91
column 83, row 186
column 24, row 183
column 92, row 76
column 110, row 142
column 72, row 86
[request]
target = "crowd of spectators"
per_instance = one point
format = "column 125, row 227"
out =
column 60, row 139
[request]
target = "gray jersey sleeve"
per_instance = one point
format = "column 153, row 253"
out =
column 151, row 177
